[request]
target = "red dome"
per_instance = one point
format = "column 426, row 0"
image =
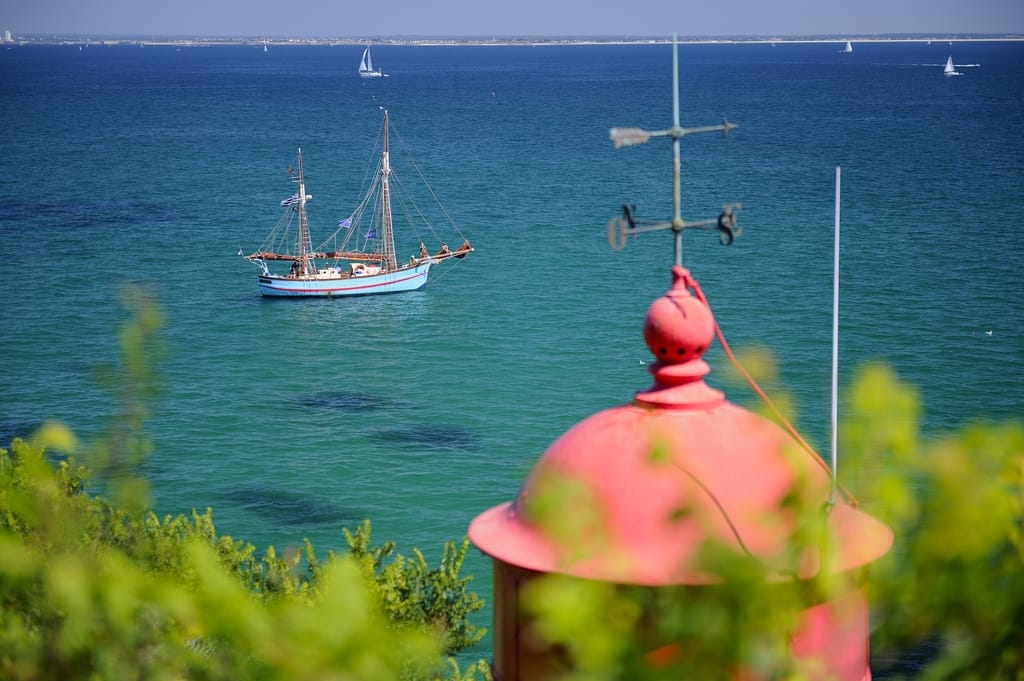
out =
column 629, row 494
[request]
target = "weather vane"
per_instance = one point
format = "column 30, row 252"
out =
column 619, row 228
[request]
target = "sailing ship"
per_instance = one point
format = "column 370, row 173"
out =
column 949, row 69
column 366, row 69
column 360, row 257
column 848, row 48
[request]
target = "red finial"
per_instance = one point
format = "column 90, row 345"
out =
column 678, row 329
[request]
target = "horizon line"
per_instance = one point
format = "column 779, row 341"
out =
column 889, row 35
column 471, row 40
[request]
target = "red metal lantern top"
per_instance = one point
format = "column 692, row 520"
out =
column 629, row 494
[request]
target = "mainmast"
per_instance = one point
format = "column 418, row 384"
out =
column 305, row 244
column 390, row 262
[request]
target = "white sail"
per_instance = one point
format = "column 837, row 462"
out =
column 950, row 70
column 848, row 48
column 366, row 69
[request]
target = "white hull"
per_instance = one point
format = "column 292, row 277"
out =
column 327, row 286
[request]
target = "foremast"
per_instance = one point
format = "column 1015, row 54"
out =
column 388, row 244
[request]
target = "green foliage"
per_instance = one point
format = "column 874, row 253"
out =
column 955, row 579
column 91, row 591
column 413, row 593
column 98, row 589
column 478, row 671
column 592, row 622
column 133, row 384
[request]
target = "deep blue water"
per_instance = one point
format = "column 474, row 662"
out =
column 296, row 418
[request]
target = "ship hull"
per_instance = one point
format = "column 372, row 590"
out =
column 319, row 286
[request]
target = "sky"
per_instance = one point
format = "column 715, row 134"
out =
column 508, row 18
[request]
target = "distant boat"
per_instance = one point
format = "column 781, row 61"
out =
column 264, row 47
column 366, row 69
column 848, row 48
column 359, row 258
column 949, row 70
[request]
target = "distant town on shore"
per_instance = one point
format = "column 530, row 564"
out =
column 10, row 38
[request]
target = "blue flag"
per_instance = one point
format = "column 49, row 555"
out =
column 346, row 223
column 291, row 200
column 372, row 234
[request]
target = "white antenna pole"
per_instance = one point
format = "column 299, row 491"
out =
column 835, row 345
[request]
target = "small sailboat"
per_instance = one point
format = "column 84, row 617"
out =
column 360, row 257
column 848, row 48
column 949, row 69
column 366, row 69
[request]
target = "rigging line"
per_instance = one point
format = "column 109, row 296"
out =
column 409, row 207
column 764, row 396
column 430, row 189
column 711, row 495
column 450, row 266
column 439, row 277
column 718, row 505
column 357, row 215
column 373, row 165
column 372, row 171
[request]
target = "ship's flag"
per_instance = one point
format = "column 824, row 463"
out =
column 372, row 234
column 346, row 223
column 291, row 200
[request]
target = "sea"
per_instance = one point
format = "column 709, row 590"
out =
column 154, row 165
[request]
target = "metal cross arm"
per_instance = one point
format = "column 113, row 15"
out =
column 628, row 137
column 622, row 227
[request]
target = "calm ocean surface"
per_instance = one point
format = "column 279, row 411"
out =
column 293, row 418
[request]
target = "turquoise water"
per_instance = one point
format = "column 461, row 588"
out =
column 293, row 418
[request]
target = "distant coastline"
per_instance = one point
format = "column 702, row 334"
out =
column 529, row 41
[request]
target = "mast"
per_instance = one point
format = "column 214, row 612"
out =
column 677, row 217
column 305, row 244
column 835, row 345
column 385, row 199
